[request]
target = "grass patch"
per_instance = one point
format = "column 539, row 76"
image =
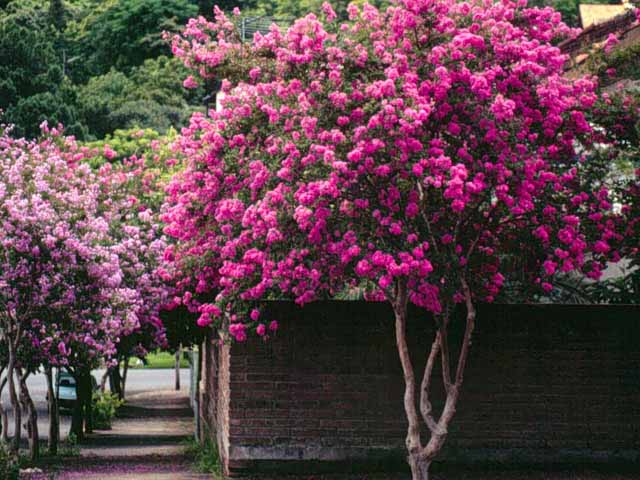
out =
column 158, row 360
column 205, row 456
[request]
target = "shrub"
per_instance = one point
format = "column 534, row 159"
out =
column 104, row 409
column 9, row 468
column 69, row 447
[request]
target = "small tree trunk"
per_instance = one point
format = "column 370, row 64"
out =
column 177, row 367
column 4, row 418
column 32, row 417
column 125, row 372
column 15, row 403
column 115, row 382
column 76, row 419
column 419, row 468
column 88, row 403
column 54, row 414
column 413, row 441
column 103, row 381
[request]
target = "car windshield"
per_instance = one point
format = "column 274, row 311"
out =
column 66, row 380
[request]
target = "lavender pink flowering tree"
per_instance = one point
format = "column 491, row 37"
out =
column 56, row 278
column 404, row 152
column 80, row 266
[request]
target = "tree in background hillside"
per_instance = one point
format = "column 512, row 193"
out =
column 32, row 86
column 122, row 34
column 57, row 14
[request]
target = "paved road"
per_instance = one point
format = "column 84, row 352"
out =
column 139, row 380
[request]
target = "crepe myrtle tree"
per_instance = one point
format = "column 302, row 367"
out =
column 406, row 152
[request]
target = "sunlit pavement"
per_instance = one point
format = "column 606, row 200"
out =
column 139, row 380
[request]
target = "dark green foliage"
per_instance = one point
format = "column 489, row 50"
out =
column 123, row 34
column 205, row 454
column 32, row 86
column 93, row 65
column 182, row 328
column 567, row 8
column 151, row 96
column 624, row 61
column 29, row 112
column 28, row 62
column 57, row 14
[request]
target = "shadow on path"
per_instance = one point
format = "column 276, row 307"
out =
column 147, row 441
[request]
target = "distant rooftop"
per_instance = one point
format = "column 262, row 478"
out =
column 595, row 14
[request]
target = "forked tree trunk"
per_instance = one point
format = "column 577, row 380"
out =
column 421, row 456
column 32, row 416
column 54, row 414
column 15, row 403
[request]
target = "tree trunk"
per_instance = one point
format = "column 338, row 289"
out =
column 115, row 382
column 419, row 468
column 88, row 403
column 15, row 403
column 54, row 414
column 32, row 416
column 77, row 423
column 412, row 441
column 103, row 381
column 123, row 384
column 4, row 418
column 177, row 367
column 420, row 456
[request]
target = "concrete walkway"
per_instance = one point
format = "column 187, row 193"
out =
column 146, row 442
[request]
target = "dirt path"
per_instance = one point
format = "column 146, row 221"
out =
column 146, row 442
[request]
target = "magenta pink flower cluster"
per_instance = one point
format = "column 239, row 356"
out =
column 423, row 144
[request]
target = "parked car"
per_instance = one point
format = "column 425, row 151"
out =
column 66, row 389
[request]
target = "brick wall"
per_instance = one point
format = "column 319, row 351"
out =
column 544, row 384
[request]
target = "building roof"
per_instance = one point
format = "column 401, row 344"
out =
column 600, row 13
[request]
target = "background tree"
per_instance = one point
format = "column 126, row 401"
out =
column 122, row 34
column 31, row 71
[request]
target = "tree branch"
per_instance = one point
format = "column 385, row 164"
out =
column 425, row 404
column 445, row 359
column 399, row 302
column 423, row 200
column 466, row 342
